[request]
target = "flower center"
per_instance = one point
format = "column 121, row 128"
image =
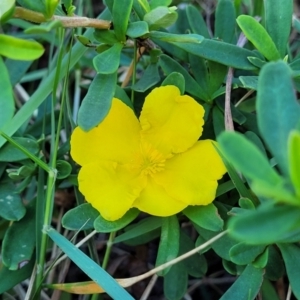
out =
column 149, row 161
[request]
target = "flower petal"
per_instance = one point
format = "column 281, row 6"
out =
column 155, row 201
column 170, row 122
column 116, row 138
column 192, row 176
column 110, row 188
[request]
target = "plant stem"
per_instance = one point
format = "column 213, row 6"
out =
column 71, row 22
column 108, row 249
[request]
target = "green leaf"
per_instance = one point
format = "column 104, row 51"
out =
column 225, row 21
column 19, row 241
column 247, row 286
column 137, row 29
column 120, row 13
column 195, row 265
column 89, row 267
column 249, row 82
column 108, row 61
column 205, row 216
column 275, row 268
column 6, row 10
column 10, row 153
column 19, row 49
column 267, row 225
column 141, row 7
column 44, row 27
column 294, row 159
column 248, row 159
column 155, row 3
column 148, row 79
column 169, row 242
column 176, row 79
column 277, row 109
column 244, row 254
column 6, row 96
column 161, row 17
column 81, row 217
column 11, row 206
column 37, row 5
column 223, row 53
column 102, row 225
column 170, row 65
column 9, row 278
column 176, row 282
column 144, row 226
column 291, row 255
column 278, row 20
column 64, row 169
column 196, row 21
column 106, row 36
column 97, row 102
column 258, row 36
column 50, row 7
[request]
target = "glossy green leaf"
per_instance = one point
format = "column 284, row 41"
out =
column 294, row 159
column 10, row 153
column 176, row 79
column 148, row 79
column 144, row 226
column 141, row 7
column 247, row 286
column 258, row 36
column 169, row 66
column 262, row 259
column 278, row 20
column 6, row 10
column 291, row 254
column 108, row 61
column 176, row 282
column 161, row 17
column 6, row 95
column 267, row 225
column 196, row 21
column 19, row 241
column 244, row 254
column 277, row 109
column 137, row 29
column 9, row 278
column 102, row 225
column 11, row 205
column 169, row 242
column 205, row 216
column 97, row 102
column 223, row 53
column 249, row 82
column 88, row 266
column 81, row 217
column 19, row 49
column 120, row 13
column 225, row 21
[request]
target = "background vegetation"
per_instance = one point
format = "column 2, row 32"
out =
column 239, row 59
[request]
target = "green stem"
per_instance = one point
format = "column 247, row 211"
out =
column 108, row 249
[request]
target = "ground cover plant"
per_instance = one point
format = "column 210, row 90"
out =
column 149, row 149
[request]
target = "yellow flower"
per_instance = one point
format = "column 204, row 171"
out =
column 155, row 164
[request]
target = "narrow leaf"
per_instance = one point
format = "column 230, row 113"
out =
column 294, row 159
column 97, row 102
column 19, row 49
column 89, row 267
column 277, row 109
column 258, row 36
